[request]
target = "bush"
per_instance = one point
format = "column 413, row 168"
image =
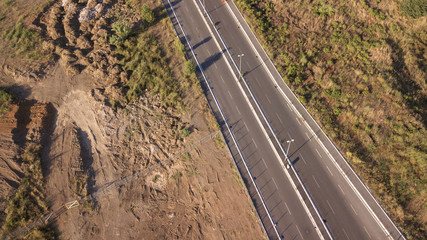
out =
column 147, row 14
column 185, row 132
column 5, row 97
column 122, row 31
column 179, row 46
column 414, row 8
column 189, row 68
column 323, row 10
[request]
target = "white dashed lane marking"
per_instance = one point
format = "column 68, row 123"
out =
column 238, row 110
column 286, row 205
column 345, row 234
column 330, row 207
column 303, row 160
column 278, row 117
column 341, row 189
column 366, row 230
column 298, row 121
column 318, row 153
column 329, row 171
column 316, row 181
column 353, row 209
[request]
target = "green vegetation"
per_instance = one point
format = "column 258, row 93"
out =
column 5, row 98
column 187, row 156
column 28, row 204
column 190, row 68
column 122, row 31
column 219, row 143
column 414, row 8
column 147, row 14
column 181, row 132
column 23, row 40
column 177, row 175
column 361, row 73
column 149, row 70
column 144, row 58
column 323, row 9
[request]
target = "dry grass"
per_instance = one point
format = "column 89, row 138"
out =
column 359, row 67
column 28, row 204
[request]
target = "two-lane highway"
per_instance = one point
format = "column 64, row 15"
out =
column 286, row 209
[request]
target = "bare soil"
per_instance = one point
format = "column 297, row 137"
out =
column 87, row 145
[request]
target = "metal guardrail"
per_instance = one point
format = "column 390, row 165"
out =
column 227, row 126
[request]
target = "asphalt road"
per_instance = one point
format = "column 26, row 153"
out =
column 286, row 209
column 328, row 178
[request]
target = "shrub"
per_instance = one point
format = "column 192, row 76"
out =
column 323, row 10
column 177, row 175
column 414, row 8
column 5, row 97
column 189, row 68
column 337, row 111
column 147, row 14
column 179, row 46
column 185, row 132
column 122, row 32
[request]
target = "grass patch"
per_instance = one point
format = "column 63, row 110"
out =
column 147, row 14
column 219, row 143
column 149, row 70
column 182, row 132
column 28, row 204
column 177, row 175
column 5, row 98
column 24, row 41
column 187, row 156
column 413, row 8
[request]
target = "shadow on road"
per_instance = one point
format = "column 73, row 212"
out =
column 211, row 60
column 202, row 42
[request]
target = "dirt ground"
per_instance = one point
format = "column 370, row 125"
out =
column 198, row 195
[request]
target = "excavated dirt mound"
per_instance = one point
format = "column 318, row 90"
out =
column 189, row 198
column 27, row 121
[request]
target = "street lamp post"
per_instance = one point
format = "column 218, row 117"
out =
column 240, row 64
column 287, row 152
column 289, row 145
